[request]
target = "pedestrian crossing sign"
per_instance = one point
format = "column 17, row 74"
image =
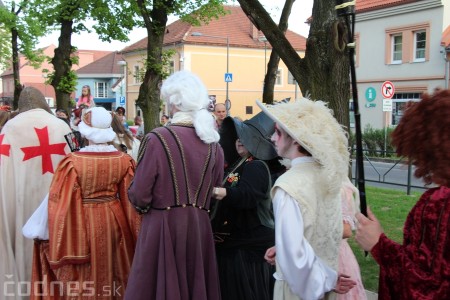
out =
column 228, row 77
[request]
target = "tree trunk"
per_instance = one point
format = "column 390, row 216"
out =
column 16, row 68
column 272, row 67
column 324, row 71
column 327, row 60
column 149, row 91
column 62, row 64
column 271, row 78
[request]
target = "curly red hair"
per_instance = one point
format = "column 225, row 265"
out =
column 423, row 135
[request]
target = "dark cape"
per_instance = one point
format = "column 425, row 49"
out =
column 244, row 229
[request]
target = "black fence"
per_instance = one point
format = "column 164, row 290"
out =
column 388, row 169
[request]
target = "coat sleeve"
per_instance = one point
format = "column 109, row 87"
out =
column 66, row 219
column 418, row 268
column 133, row 218
column 306, row 274
column 140, row 191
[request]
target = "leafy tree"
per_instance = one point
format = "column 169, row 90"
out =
column 5, row 47
column 23, row 31
column 154, row 15
column 324, row 71
column 114, row 18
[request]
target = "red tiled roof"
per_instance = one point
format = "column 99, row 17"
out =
column 97, row 54
column 235, row 25
column 105, row 65
column 445, row 41
column 369, row 5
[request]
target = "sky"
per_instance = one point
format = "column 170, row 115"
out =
column 301, row 10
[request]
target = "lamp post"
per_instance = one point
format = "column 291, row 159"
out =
column 227, row 101
column 447, row 65
column 264, row 40
column 44, row 75
column 124, row 81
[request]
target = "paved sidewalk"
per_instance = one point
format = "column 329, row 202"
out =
column 371, row 295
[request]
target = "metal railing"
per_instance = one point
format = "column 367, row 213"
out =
column 381, row 175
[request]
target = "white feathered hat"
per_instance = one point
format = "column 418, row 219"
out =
column 312, row 125
column 95, row 125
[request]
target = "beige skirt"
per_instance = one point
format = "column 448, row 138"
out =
column 283, row 292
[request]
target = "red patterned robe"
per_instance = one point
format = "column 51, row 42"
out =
column 420, row 268
column 92, row 226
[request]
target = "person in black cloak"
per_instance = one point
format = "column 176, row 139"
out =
column 242, row 218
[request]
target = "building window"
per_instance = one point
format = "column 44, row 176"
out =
column 399, row 101
column 356, row 56
column 407, row 44
column 137, row 75
column 101, row 90
column 397, row 43
column 279, row 80
column 291, row 79
column 351, row 110
column 420, row 39
column 171, row 67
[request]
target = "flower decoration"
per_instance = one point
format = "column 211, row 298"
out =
column 233, row 178
column 5, row 108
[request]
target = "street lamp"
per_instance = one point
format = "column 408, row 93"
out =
column 264, row 40
column 45, row 75
column 227, row 101
column 447, row 65
column 124, row 81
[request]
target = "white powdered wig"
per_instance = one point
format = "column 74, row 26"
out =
column 188, row 94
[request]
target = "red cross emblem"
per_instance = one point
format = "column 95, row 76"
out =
column 4, row 148
column 45, row 149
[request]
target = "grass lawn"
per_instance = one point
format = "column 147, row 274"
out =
column 391, row 208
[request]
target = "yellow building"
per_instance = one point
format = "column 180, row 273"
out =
column 229, row 48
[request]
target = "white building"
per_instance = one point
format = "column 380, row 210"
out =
column 404, row 42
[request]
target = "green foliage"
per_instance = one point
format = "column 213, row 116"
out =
column 198, row 12
column 374, row 141
column 162, row 68
column 17, row 17
column 391, row 208
column 5, row 48
column 68, row 83
column 369, row 140
column 72, row 103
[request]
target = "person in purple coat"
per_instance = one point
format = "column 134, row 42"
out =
column 178, row 167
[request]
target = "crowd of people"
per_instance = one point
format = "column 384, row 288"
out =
column 208, row 206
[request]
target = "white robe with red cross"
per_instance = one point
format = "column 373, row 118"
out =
column 31, row 146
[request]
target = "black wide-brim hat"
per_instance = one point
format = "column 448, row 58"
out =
column 254, row 134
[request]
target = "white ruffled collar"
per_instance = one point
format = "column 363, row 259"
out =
column 98, row 148
column 182, row 117
column 302, row 160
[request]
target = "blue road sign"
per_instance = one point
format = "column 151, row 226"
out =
column 371, row 94
column 122, row 100
column 228, row 77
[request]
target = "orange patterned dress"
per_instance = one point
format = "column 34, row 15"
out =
column 92, row 228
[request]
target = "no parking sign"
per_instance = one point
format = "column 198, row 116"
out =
column 387, row 90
